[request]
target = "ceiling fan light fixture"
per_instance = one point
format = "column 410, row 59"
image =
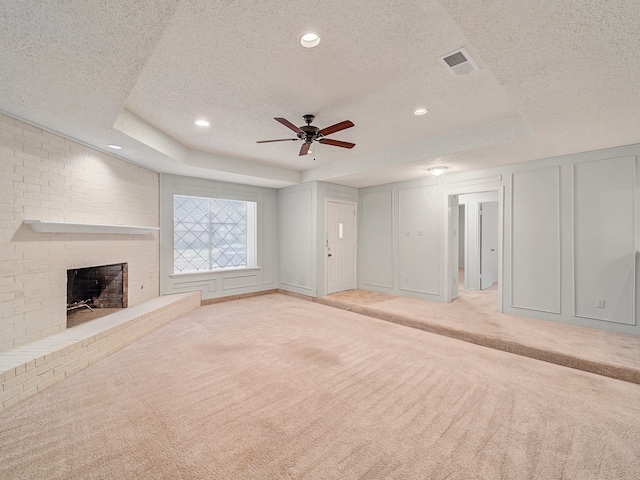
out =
column 309, row 40
column 202, row 123
column 437, row 171
column 420, row 111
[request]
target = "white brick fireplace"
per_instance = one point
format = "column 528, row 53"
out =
column 53, row 179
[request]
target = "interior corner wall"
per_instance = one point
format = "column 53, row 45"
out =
column 44, row 176
column 298, row 234
column 225, row 282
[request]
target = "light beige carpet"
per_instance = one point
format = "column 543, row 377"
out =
column 474, row 318
column 278, row 387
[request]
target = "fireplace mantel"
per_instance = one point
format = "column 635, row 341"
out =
column 65, row 227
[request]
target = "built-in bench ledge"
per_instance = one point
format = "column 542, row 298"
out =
column 65, row 227
column 30, row 368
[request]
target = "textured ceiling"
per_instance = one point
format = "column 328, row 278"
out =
column 555, row 78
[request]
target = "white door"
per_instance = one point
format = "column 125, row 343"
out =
column 488, row 244
column 341, row 247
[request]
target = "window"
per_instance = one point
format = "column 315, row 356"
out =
column 212, row 234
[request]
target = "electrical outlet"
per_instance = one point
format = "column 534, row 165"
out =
column 600, row 303
column 420, row 233
column 407, row 233
column 406, row 280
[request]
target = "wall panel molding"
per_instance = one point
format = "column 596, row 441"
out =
column 536, row 240
column 375, row 260
column 605, row 239
column 419, row 239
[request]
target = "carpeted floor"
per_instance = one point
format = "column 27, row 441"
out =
column 473, row 317
column 277, row 387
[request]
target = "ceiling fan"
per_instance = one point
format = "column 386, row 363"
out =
column 308, row 133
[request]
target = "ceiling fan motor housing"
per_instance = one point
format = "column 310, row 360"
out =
column 309, row 133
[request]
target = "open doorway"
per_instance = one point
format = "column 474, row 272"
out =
column 475, row 233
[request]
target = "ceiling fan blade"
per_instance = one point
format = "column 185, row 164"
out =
column 288, row 124
column 281, row 140
column 304, row 149
column 336, row 143
column 336, row 128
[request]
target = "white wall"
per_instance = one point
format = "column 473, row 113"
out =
column 302, row 210
column 224, row 282
column 377, row 239
column 297, row 209
column 535, row 239
column 46, row 177
column 401, row 239
column 570, row 236
column 573, row 239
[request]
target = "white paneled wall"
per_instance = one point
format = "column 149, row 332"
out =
column 420, row 239
column 376, row 240
column 535, row 239
column 569, row 237
column 46, row 177
column 298, row 233
column 604, row 240
column 401, row 239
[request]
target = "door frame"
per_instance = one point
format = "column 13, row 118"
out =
column 326, row 241
column 449, row 239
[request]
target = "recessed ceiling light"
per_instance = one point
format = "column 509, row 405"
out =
column 114, row 146
column 309, row 40
column 420, row 111
column 202, row 123
column 437, row 171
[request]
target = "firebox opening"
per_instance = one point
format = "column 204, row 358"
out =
column 99, row 287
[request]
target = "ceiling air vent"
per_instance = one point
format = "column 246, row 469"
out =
column 459, row 63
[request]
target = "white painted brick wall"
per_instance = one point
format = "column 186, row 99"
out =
column 31, row 368
column 47, row 177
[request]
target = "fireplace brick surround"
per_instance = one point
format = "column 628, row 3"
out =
column 29, row 369
column 44, row 176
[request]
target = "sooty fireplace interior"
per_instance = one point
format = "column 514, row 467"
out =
column 103, row 286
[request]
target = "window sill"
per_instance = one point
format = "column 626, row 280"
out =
column 214, row 272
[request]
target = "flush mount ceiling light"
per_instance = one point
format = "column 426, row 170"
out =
column 309, row 40
column 420, row 111
column 437, row 171
column 114, row 146
column 202, row 123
